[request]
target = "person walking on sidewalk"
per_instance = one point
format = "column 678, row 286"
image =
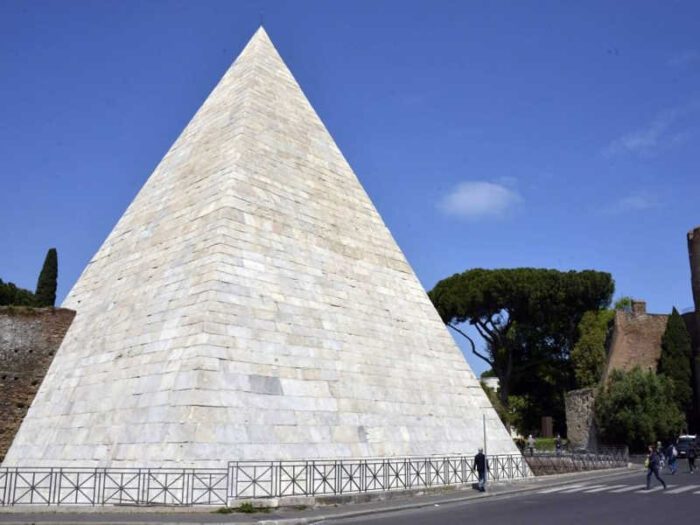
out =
column 691, row 458
column 482, row 466
column 652, row 464
column 531, row 444
column 672, row 457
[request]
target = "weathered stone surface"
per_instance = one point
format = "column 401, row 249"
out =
column 580, row 423
column 636, row 339
column 251, row 304
column 29, row 338
column 694, row 324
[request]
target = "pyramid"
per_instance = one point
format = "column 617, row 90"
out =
column 251, row 304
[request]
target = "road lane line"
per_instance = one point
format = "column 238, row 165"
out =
column 557, row 489
column 579, row 489
column 655, row 489
column 605, row 487
column 683, row 489
column 627, row 489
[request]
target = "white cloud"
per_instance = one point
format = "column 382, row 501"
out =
column 477, row 199
column 665, row 131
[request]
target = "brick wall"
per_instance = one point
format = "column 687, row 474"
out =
column 636, row 340
column 29, row 338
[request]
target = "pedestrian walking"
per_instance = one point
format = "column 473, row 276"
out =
column 531, row 444
column 691, row 458
column 652, row 463
column 557, row 444
column 662, row 456
column 672, row 457
column 482, row 467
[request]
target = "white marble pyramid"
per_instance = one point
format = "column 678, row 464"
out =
column 251, row 304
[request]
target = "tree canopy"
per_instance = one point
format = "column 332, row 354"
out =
column 528, row 318
column 47, row 282
column 589, row 353
column 675, row 361
column 637, row 408
column 11, row 294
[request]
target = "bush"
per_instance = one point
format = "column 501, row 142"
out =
column 589, row 354
column 10, row 294
column 676, row 361
column 47, row 282
column 637, row 408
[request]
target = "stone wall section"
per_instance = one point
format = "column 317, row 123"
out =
column 636, row 339
column 29, row 339
column 580, row 424
column 694, row 325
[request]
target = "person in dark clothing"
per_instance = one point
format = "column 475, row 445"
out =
column 653, row 465
column 691, row 458
column 482, row 466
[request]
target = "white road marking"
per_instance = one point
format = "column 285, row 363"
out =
column 557, row 489
column 580, row 489
column 682, row 489
column 655, row 489
column 605, row 487
column 627, row 489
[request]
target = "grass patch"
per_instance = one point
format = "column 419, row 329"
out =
column 548, row 444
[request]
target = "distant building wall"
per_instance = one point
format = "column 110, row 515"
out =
column 636, row 339
column 492, row 382
column 29, row 338
column 694, row 259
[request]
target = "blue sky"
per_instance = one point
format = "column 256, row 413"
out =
column 488, row 134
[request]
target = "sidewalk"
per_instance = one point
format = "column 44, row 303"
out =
column 286, row 516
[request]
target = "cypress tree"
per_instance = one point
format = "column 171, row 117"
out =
column 675, row 360
column 46, row 285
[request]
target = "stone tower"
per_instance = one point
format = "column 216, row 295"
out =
column 251, row 304
column 694, row 255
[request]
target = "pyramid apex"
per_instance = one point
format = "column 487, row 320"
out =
column 260, row 34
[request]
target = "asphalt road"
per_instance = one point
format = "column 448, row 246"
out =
column 618, row 501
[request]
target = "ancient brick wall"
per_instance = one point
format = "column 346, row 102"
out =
column 29, row 338
column 694, row 327
column 580, row 425
column 636, row 339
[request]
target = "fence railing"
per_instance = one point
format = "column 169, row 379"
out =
column 117, row 486
column 243, row 480
column 551, row 463
column 261, row 479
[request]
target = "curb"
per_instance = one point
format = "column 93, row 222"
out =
column 418, row 505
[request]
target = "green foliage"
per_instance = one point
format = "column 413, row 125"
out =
column 548, row 444
column 46, row 285
column 675, row 361
column 589, row 353
column 623, row 303
column 498, row 406
column 528, row 318
column 12, row 295
column 637, row 408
